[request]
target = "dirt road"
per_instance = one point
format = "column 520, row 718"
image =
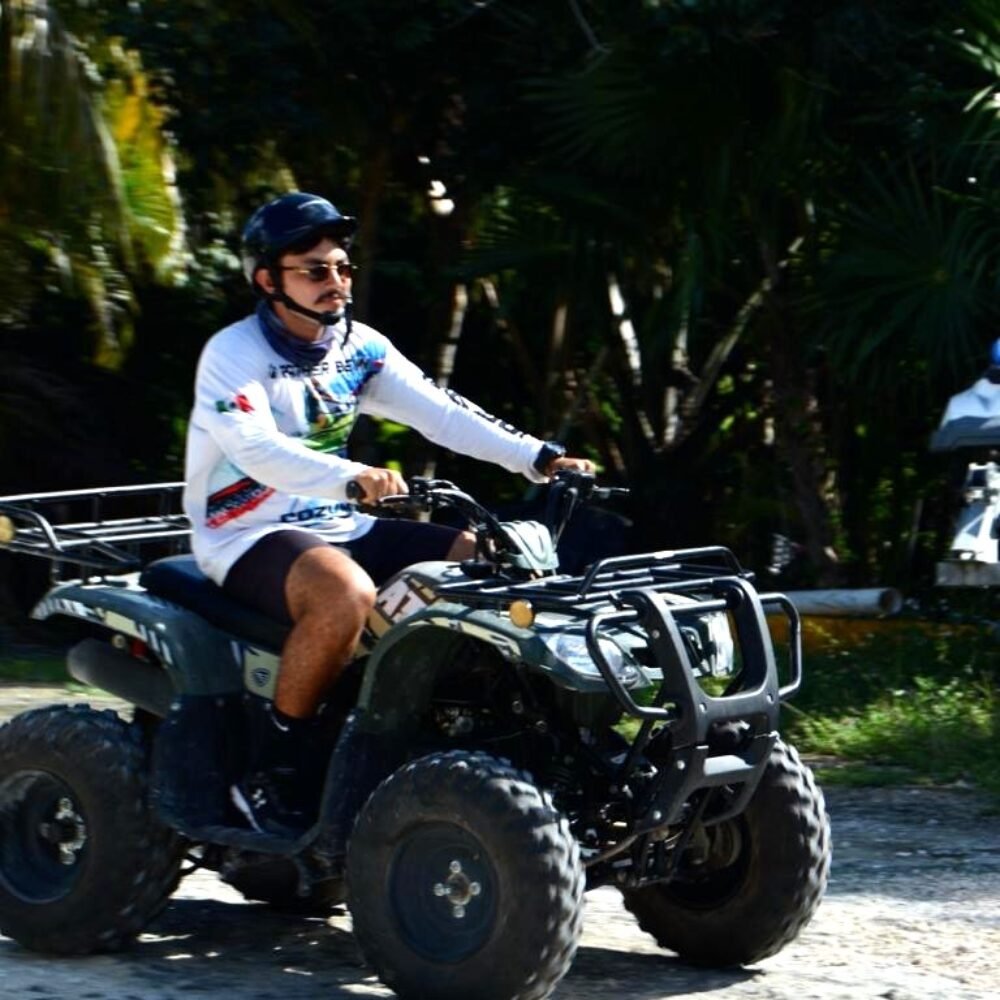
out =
column 913, row 911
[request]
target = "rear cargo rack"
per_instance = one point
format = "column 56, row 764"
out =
column 96, row 532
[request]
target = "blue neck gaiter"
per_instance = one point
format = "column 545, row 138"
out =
column 304, row 353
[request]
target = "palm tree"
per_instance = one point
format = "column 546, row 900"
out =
column 87, row 194
column 87, row 209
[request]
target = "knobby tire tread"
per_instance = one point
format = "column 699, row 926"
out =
column 750, row 928
column 510, row 804
column 140, row 857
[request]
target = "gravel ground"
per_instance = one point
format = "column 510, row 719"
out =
column 913, row 911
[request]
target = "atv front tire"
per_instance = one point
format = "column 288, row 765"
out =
column 755, row 880
column 465, row 881
column 84, row 864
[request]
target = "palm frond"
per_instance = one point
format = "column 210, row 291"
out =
column 914, row 272
column 85, row 177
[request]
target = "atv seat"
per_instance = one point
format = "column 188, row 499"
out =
column 177, row 579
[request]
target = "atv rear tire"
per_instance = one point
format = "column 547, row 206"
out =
column 84, row 864
column 465, row 881
column 759, row 882
column 276, row 882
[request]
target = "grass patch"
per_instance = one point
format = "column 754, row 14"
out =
column 860, row 774
column 915, row 701
column 43, row 669
column 922, row 702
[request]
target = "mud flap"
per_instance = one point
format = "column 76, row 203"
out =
column 360, row 761
column 198, row 753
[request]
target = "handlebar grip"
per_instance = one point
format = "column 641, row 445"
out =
column 354, row 490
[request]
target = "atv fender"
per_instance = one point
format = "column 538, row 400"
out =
column 198, row 658
column 402, row 671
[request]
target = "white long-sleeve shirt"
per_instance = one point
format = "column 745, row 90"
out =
column 267, row 440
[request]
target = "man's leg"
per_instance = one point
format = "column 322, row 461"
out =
column 326, row 595
column 296, row 578
column 329, row 597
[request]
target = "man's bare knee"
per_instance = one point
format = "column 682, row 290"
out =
column 463, row 547
column 323, row 579
column 329, row 597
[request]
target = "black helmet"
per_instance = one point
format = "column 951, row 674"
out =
column 288, row 220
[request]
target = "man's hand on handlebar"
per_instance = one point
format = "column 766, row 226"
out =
column 372, row 484
column 572, row 464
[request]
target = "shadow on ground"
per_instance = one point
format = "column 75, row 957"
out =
column 210, row 948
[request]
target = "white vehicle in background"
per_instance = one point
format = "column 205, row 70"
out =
column 971, row 424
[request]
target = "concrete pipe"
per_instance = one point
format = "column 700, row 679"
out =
column 873, row 602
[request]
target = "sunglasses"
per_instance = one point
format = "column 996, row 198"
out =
column 321, row 272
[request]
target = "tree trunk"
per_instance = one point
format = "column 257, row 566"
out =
column 374, row 176
column 801, row 443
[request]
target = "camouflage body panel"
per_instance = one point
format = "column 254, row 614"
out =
column 416, row 633
column 199, row 658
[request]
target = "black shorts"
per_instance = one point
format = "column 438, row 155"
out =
column 257, row 578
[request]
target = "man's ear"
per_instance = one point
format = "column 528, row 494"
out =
column 264, row 279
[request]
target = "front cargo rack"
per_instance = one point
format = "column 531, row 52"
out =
column 613, row 590
column 678, row 571
column 96, row 532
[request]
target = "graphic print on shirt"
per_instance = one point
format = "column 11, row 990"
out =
column 238, row 402
column 330, row 419
column 331, row 408
column 235, row 495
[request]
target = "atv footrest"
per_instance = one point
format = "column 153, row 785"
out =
column 244, row 839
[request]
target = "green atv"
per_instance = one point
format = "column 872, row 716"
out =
column 525, row 736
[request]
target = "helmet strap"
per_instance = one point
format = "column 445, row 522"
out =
column 326, row 318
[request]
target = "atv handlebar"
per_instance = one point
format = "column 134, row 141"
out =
column 567, row 490
column 567, row 484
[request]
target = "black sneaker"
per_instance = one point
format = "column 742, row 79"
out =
column 264, row 800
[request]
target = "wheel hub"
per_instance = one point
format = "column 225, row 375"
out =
column 457, row 889
column 443, row 889
column 66, row 831
column 44, row 836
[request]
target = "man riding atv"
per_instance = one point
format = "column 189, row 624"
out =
column 267, row 472
column 509, row 736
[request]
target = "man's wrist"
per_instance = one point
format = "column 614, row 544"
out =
column 547, row 454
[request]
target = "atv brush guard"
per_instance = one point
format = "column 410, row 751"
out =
column 629, row 590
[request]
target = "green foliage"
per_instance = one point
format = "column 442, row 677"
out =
column 818, row 157
column 779, row 190
column 86, row 197
column 925, row 699
column 914, row 276
column 35, row 669
column 942, row 732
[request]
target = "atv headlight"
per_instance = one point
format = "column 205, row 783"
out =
column 710, row 643
column 571, row 648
